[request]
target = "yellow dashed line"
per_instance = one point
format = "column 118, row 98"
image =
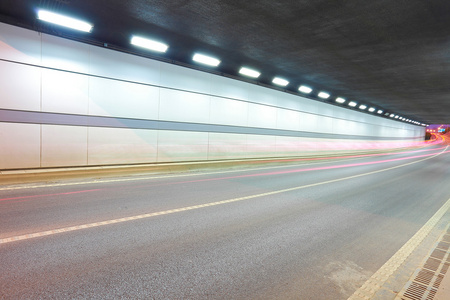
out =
column 171, row 211
column 374, row 283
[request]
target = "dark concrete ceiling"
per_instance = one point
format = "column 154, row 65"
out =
column 392, row 54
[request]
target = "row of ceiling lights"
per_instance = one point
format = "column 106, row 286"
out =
column 210, row 61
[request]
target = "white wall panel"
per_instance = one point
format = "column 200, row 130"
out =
column 227, row 146
column 261, row 146
column 259, row 94
column 136, row 87
column 309, row 122
column 20, row 146
column 308, row 105
column 121, row 146
column 288, row 146
column 113, row 64
column 228, row 112
column 290, row 101
column 65, row 54
column 229, row 88
column 20, row 86
column 325, row 124
column 183, row 106
column 64, row 92
column 340, row 112
column 325, row 109
column 307, row 145
column 21, row 45
column 64, row 146
column 182, row 146
column 262, row 116
column 340, row 126
column 365, row 129
column 354, row 128
column 185, row 79
column 122, row 99
column 288, row 119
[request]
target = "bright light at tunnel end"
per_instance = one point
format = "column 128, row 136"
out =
column 62, row 20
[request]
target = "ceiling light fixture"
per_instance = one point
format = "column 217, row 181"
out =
column 324, row 95
column 62, row 20
column 379, row 112
column 352, row 103
column 372, row 109
column 305, row 89
column 340, row 100
column 149, row 44
column 206, row 60
column 280, row 81
column 249, row 72
column 362, row 106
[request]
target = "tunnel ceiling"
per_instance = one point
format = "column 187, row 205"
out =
column 390, row 54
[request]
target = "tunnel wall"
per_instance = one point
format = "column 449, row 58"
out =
column 65, row 103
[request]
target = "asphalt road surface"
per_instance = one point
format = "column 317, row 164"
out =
column 310, row 229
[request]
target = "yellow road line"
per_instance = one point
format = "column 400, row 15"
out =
column 374, row 283
column 171, row 211
column 8, row 188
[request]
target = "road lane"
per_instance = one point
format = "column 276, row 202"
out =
column 320, row 242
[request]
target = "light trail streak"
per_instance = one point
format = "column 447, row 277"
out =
column 213, row 173
column 301, row 170
column 29, row 198
column 188, row 208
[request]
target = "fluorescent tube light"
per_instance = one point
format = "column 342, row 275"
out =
column 280, row 81
column 206, row 60
column 396, row 117
column 324, row 95
column 249, row 72
column 352, row 103
column 362, row 106
column 379, row 112
column 305, row 89
column 149, row 44
column 65, row 21
column 340, row 100
column 372, row 109
column 391, row 115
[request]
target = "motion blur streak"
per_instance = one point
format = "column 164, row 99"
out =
column 187, row 208
column 313, row 169
column 47, row 195
column 308, row 230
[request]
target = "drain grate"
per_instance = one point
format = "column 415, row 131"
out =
column 427, row 279
column 432, row 264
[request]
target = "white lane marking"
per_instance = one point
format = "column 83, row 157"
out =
column 175, row 210
column 376, row 281
column 8, row 188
